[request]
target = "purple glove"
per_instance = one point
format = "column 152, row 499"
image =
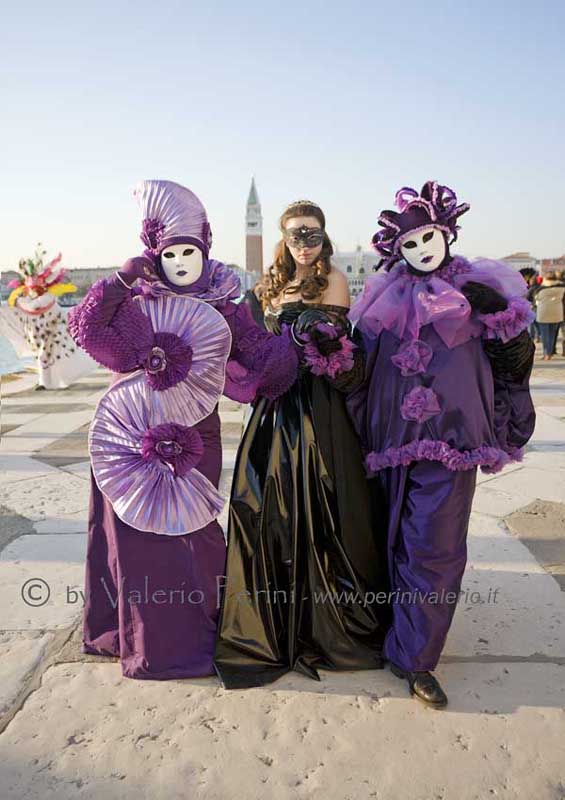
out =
column 137, row 267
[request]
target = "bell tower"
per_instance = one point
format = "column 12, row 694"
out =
column 253, row 232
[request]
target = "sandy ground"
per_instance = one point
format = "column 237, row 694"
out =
column 72, row 727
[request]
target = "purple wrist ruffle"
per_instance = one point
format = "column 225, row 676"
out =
column 490, row 459
column 507, row 324
column 335, row 363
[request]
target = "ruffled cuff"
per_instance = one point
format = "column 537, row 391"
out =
column 507, row 324
column 110, row 327
column 334, row 363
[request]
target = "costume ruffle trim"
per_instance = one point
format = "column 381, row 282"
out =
column 490, row 459
column 507, row 324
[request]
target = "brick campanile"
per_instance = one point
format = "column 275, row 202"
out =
column 253, row 232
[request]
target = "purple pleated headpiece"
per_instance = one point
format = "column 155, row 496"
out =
column 435, row 205
column 172, row 214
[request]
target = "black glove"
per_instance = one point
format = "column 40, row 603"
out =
column 323, row 342
column 484, row 299
column 306, row 324
column 511, row 361
column 308, row 318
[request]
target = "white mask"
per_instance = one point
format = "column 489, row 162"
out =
column 182, row 263
column 425, row 249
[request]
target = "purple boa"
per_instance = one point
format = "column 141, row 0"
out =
column 403, row 303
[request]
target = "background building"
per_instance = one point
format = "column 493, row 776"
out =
column 357, row 266
column 520, row 261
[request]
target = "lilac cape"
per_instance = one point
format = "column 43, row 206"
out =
column 430, row 394
column 135, row 460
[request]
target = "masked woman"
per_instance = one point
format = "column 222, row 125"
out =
column 156, row 553
column 303, row 567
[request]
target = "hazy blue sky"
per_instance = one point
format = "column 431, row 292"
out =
column 339, row 103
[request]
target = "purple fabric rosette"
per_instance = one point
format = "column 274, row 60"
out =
column 145, row 461
column 420, row 404
column 178, row 446
column 413, row 358
column 186, row 365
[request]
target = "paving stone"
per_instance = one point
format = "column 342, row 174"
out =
column 89, row 733
column 49, row 496
column 12, row 525
column 541, row 528
column 40, row 581
column 20, row 655
column 508, row 606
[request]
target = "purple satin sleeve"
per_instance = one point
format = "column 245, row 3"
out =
column 261, row 363
column 514, row 415
column 111, row 327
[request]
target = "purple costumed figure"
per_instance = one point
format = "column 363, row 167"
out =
column 156, row 553
column 446, row 391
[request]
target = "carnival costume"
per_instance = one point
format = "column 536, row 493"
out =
column 36, row 324
column 447, row 391
column 156, row 553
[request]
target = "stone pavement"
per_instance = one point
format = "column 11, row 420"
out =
column 72, row 727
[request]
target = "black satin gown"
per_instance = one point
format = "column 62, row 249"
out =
column 306, row 539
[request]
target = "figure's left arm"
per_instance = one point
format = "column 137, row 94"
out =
column 510, row 351
column 260, row 363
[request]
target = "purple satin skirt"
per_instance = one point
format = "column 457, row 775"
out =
column 151, row 599
column 429, row 515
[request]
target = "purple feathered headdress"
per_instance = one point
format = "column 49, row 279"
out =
column 436, row 205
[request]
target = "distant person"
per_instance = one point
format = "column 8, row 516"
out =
column 550, row 312
column 35, row 322
column 534, row 284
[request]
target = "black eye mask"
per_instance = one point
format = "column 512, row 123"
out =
column 303, row 237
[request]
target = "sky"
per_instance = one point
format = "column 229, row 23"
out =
column 340, row 103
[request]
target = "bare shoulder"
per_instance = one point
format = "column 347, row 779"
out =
column 337, row 292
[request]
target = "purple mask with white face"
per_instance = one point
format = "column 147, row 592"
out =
column 182, row 268
column 424, row 249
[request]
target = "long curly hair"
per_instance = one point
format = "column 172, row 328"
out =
column 283, row 269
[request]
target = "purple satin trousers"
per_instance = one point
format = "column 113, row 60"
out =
column 152, row 600
column 429, row 510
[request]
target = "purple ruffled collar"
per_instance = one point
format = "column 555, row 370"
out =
column 223, row 285
column 402, row 303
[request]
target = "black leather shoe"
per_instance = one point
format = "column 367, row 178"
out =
column 423, row 685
